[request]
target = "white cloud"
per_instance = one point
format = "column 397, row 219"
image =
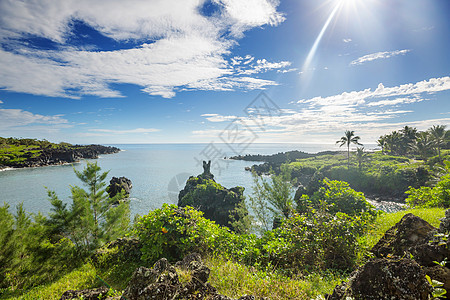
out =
column 262, row 65
column 127, row 131
column 346, row 40
column 378, row 55
column 10, row 118
column 322, row 119
column 178, row 47
column 251, row 13
column 396, row 101
column 432, row 85
column 218, row 118
column 287, row 70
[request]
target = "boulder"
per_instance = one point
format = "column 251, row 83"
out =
column 118, row 252
column 116, row 185
column 382, row 278
column 87, row 294
column 410, row 231
column 390, row 275
column 163, row 282
column 215, row 201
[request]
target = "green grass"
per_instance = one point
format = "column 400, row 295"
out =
column 82, row 278
column 386, row 220
column 234, row 280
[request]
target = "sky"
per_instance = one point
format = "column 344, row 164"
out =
column 193, row 71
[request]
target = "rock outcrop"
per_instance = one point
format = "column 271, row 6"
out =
column 406, row 253
column 61, row 155
column 215, row 201
column 187, row 279
column 87, row 294
column 116, row 185
column 381, row 278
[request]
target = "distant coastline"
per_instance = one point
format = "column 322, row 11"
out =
column 26, row 153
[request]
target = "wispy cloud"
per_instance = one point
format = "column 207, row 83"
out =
column 126, row 131
column 176, row 48
column 17, row 117
column 378, row 55
column 321, row 119
column 346, row 40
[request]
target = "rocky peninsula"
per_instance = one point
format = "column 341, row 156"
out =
column 23, row 153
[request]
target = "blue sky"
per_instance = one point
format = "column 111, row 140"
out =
column 182, row 71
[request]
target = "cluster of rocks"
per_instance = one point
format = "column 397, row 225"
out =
column 116, row 185
column 216, row 202
column 407, row 253
column 187, row 279
column 61, row 155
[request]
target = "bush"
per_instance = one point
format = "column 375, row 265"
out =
column 172, row 232
column 337, row 196
column 437, row 196
column 28, row 257
column 318, row 241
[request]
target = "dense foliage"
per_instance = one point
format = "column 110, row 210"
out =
column 35, row 249
column 172, row 232
column 93, row 218
column 28, row 256
column 435, row 196
column 378, row 173
column 336, row 196
column 410, row 141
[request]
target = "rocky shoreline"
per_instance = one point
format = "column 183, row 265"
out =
column 59, row 156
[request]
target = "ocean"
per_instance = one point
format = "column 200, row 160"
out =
column 157, row 171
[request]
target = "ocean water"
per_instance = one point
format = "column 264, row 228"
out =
column 158, row 172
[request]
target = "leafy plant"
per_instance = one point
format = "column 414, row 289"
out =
column 172, row 232
column 93, row 218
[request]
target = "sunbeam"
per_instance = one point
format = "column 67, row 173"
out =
column 313, row 50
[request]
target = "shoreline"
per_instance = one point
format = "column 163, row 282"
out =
column 59, row 156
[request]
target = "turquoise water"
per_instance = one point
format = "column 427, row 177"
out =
column 157, row 171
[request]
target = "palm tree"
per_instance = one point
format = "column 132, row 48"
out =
column 409, row 138
column 438, row 136
column 348, row 138
column 360, row 156
column 382, row 143
column 423, row 146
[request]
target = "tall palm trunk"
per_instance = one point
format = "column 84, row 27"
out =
column 348, row 156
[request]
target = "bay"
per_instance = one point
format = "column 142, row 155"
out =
column 158, row 172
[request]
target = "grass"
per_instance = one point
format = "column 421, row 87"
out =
column 235, row 280
column 387, row 220
column 82, row 278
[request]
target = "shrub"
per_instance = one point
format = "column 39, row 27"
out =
column 172, row 232
column 317, row 241
column 338, row 197
column 437, row 196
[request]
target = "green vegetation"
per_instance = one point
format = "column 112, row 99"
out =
column 13, row 150
column 93, row 218
column 35, row 250
column 348, row 138
column 307, row 243
column 384, row 175
column 436, row 196
column 386, row 220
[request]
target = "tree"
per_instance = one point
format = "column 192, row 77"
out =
column 361, row 156
column 423, row 146
column 382, row 143
column 271, row 199
column 409, row 137
column 93, row 218
column 438, row 134
column 348, row 138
